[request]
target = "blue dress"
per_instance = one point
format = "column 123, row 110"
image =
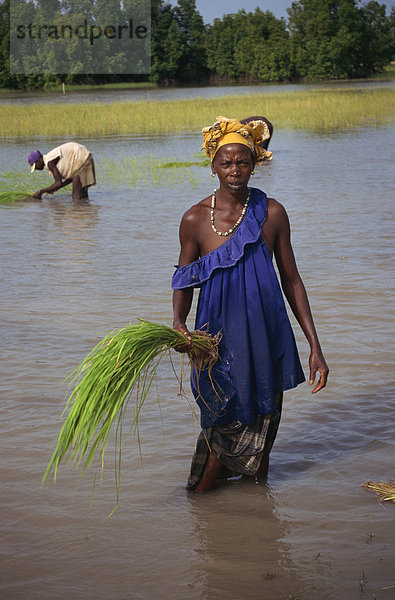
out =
column 240, row 296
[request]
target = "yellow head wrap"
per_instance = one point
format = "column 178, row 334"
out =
column 231, row 131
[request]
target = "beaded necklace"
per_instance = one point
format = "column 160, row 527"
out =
column 231, row 230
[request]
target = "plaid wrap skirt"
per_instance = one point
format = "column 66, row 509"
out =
column 239, row 447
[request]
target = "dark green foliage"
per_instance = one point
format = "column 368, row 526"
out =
column 178, row 53
column 338, row 39
column 323, row 39
column 250, row 46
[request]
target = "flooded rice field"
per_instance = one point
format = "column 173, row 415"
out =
column 70, row 273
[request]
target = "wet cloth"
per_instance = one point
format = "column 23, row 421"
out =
column 74, row 159
column 240, row 448
column 240, row 297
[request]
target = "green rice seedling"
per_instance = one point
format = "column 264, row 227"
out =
column 132, row 171
column 385, row 491
column 177, row 164
column 206, row 162
column 184, row 164
column 13, row 196
column 13, row 188
column 124, row 362
column 17, row 187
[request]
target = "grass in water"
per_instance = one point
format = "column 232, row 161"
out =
column 18, row 187
column 125, row 361
column 385, row 491
column 314, row 110
column 15, row 188
column 121, row 171
column 11, row 196
column 177, row 164
column 132, row 171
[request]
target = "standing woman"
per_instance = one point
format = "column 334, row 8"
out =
column 227, row 244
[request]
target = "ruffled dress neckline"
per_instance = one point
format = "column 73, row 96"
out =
column 230, row 251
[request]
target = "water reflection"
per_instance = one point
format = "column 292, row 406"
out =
column 66, row 229
column 240, row 544
column 72, row 216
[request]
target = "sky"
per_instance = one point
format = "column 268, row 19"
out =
column 210, row 9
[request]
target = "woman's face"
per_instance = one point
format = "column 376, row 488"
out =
column 233, row 165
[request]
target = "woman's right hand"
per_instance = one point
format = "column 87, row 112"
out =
column 187, row 347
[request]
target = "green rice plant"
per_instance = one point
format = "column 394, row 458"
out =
column 324, row 109
column 13, row 188
column 124, row 362
column 13, row 196
column 132, row 171
column 385, row 491
column 177, row 164
column 17, row 187
column 182, row 164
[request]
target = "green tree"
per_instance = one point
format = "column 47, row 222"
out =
column 56, row 57
column 262, row 46
column 162, row 17
column 220, row 47
column 249, row 46
column 178, row 53
column 312, row 24
column 5, row 76
column 192, row 66
column 338, row 39
column 378, row 41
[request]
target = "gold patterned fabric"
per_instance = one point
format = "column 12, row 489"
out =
column 231, row 131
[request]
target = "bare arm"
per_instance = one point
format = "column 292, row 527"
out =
column 182, row 299
column 57, row 183
column 296, row 295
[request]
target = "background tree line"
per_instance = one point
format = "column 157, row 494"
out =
column 322, row 39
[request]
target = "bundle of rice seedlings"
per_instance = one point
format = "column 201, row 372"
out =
column 11, row 196
column 385, row 491
column 14, row 188
column 18, row 187
column 125, row 361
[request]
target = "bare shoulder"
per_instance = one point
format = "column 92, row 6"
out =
column 192, row 231
column 194, row 215
column 275, row 209
column 276, row 225
column 276, row 214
